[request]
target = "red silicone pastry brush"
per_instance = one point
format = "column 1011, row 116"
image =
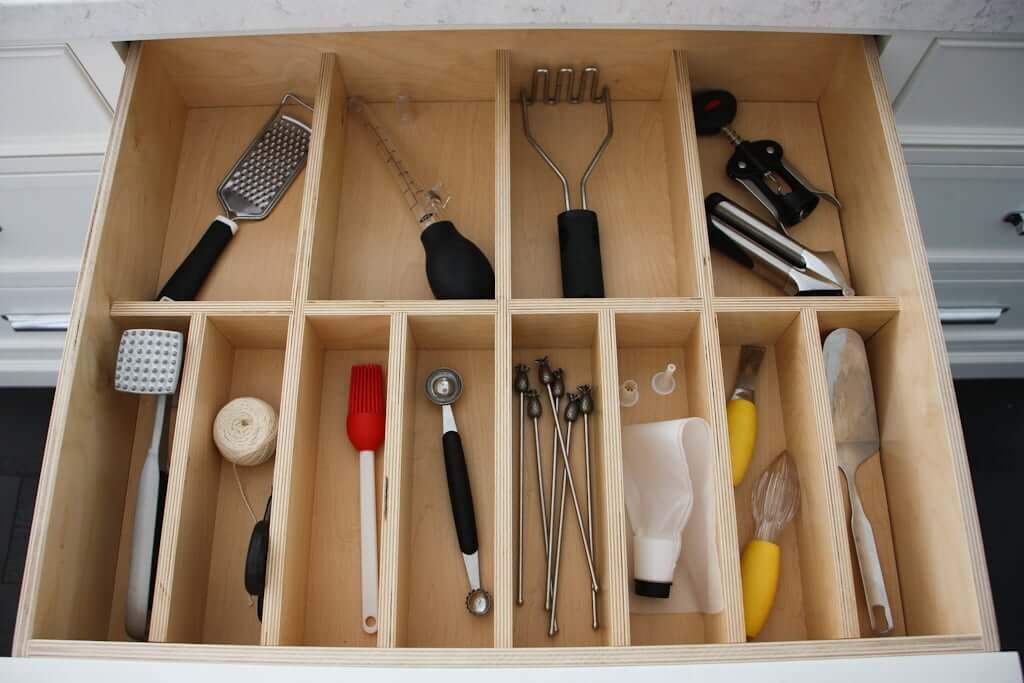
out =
column 366, row 432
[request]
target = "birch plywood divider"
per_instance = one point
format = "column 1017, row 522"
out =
column 335, row 277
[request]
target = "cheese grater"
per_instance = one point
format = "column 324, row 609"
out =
column 148, row 362
column 249, row 192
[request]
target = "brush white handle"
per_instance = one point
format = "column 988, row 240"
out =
column 368, row 539
column 136, row 609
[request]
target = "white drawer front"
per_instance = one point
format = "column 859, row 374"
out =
column 44, row 215
column 962, row 208
column 966, row 83
column 50, row 104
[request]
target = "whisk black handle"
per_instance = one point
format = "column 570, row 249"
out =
column 456, row 268
column 580, row 245
column 186, row 281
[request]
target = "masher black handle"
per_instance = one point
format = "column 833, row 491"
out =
column 459, row 492
column 186, row 281
column 579, row 243
column 456, row 268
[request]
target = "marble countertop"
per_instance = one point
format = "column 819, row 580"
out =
column 26, row 21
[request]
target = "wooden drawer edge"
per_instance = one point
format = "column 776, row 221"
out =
column 947, row 398
column 611, row 656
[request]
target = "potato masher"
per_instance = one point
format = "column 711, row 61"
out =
column 578, row 238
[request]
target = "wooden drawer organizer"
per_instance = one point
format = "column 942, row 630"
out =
column 335, row 276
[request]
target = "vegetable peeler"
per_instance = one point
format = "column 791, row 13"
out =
column 759, row 165
column 748, row 240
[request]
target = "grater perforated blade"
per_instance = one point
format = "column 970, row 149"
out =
column 264, row 172
column 149, row 361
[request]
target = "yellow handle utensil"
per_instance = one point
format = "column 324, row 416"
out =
column 742, row 413
column 742, row 418
column 775, row 499
column 759, row 569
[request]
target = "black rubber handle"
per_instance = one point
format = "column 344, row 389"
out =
column 456, row 268
column 459, row 492
column 579, row 243
column 256, row 559
column 186, row 281
column 723, row 243
column 161, row 498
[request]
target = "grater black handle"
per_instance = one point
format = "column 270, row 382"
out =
column 186, row 281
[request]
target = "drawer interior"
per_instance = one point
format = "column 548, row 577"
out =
column 431, row 572
column 646, row 343
column 570, row 343
column 335, row 277
column 207, row 601
column 323, row 603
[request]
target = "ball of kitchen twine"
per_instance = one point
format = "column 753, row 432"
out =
column 245, row 431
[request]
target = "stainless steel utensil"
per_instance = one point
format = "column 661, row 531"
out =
column 547, row 376
column 586, row 394
column 857, row 440
column 443, row 388
column 578, row 237
column 572, row 413
column 771, row 254
column 249, row 192
column 522, row 386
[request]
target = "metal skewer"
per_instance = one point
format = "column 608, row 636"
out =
column 534, row 410
column 572, row 411
column 522, row 385
column 586, row 408
column 548, row 379
column 572, row 486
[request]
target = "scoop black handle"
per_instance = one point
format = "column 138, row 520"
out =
column 579, row 243
column 186, row 281
column 456, row 268
column 459, row 492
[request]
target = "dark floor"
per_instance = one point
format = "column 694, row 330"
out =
column 992, row 413
column 24, row 417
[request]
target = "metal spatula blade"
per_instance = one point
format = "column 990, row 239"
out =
column 852, row 396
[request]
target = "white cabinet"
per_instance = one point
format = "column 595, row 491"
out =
column 959, row 105
column 54, row 123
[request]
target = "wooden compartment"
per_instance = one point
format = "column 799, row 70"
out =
column 431, row 583
column 336, row 275
column 321, row 599
column 367, row 240
column 184, row 139
column 895, row 486
column 571, row 342
column 809, row 605
column 646, row 343
column 826, row 122
column 206, row 516
column 638, row 188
